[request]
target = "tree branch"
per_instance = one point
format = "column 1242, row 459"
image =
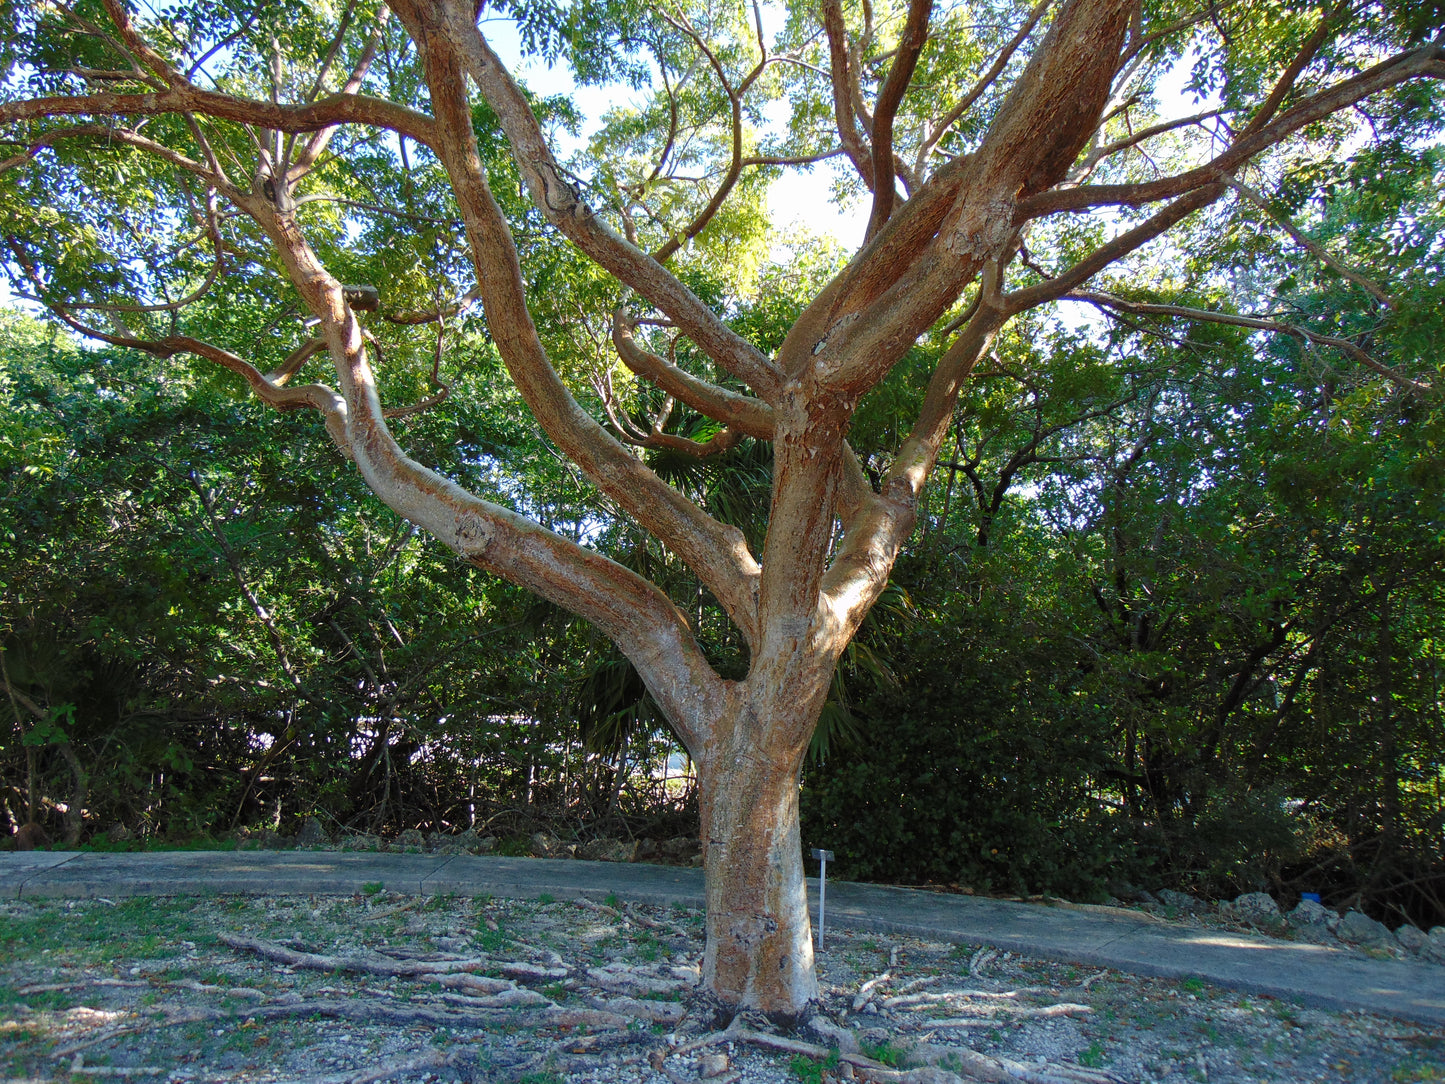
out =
column 1318, row 250
column 1056, row 287
column 186, row 98
column 1109, row 301
column 890, row 97
column 844, row 79
column 751, row 416
column 980, row 85
column 1426, row 62
column 717, row 552
column 632, row 612
column 560, row 203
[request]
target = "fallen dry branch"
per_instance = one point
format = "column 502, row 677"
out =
column 387, row 912
column 375, row 966
column 531, row 971
column 600, row 908
column 224, row 991
column 376, row 1010
column 505, row 999
column 572, row 1052
column 1063, row 1009
column 932, row 998
column 917, row 984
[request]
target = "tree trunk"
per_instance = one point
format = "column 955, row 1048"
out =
column 759, row 937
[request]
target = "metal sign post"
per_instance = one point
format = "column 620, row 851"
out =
column 823, row 857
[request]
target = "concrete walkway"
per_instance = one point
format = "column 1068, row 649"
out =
column 1106, row 937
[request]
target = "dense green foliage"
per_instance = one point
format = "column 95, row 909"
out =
column 1182, row 607
column 211, row 625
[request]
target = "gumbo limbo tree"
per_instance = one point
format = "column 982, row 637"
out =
column 216, row 177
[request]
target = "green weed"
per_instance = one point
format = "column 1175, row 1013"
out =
column 1412, row 1072
column 1285, row 1013
column 810, row 1070
column 53, row 1000
column 1093, row 1057
column 884, row 1053
column 372, row 888
column 648, row 947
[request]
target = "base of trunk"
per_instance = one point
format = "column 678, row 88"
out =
column 759, row 936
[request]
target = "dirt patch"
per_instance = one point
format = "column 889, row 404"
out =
column 379, row 986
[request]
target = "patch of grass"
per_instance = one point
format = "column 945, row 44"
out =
column 1093, row 1057
column 52, row 1000
column 1414, row 1072
column 541, row 1078
column 885, row 1053
column 1193, row 985
column 545, row 898
column 372, row 888
column 1285, row 1013
column 811, row 1070
column 437, row 903
column 492, row 940
column 648, row 947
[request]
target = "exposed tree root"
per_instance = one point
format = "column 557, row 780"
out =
column 317, row 962
column 79, row 1068
column 865, row 991
column 432, row 1059
column 939, row 1065
column 79, row 984
column 670, row 1013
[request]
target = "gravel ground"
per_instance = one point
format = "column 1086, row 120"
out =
column 379, row 986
